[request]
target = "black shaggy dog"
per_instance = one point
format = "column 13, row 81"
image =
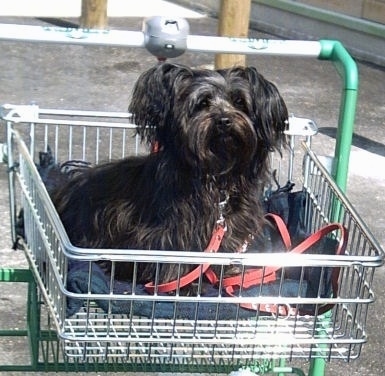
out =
column 212, row 132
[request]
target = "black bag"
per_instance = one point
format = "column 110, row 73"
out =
column 291, row 206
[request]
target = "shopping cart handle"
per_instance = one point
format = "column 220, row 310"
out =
column 335, row 52
column 63, row 35
column 159, row 39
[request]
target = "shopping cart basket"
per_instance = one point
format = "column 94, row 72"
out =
column 107, row 326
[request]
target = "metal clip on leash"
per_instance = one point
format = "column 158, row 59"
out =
column 221, row 207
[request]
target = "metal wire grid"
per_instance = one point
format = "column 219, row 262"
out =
column 93, row 334
column 263, row 338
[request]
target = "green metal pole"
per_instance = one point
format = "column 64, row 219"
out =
column 33, row 322
column 317, row 367
column 347, row 69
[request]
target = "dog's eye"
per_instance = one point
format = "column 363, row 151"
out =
column 203, row 103
column 239, row 103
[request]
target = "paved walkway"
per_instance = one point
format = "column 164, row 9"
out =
column 72, row 8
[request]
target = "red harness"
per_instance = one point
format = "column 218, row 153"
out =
column 255, row 276
column 215, row 242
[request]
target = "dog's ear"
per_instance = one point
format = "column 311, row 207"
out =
column 153, row 99
column 268, row 110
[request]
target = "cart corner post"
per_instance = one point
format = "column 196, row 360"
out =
column 94, row 14
column 347, row 69
column 234, row 18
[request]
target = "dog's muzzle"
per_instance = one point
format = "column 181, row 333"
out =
column 227, row 143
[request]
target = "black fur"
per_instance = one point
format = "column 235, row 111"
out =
column 213, row 131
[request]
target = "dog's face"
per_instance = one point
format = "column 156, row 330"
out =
column 218, row 123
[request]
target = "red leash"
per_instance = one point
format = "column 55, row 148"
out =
column 251, row 278
column 268, row 274
column 257, row 276
column 214, row 244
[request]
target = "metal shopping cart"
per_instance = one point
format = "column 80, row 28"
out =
column 107, row 326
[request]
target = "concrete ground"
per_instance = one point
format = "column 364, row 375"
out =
column 101, row 78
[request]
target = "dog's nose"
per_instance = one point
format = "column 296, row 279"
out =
column 225, row 122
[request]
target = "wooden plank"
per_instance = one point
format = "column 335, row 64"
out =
column 94, row 14
column 234, row 18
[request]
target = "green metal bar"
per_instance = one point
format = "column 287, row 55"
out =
column 16, row 275
column 283, row 371
column 33, row 322
column 317, row 367
column 282, row 364
column 347, row 69
column 318, row 364
column 13, row 333
column 21, row 276
column 349, row 22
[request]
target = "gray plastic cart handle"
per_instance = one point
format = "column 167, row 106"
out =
column 330, row 50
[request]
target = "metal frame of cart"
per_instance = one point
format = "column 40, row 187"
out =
column 59, row 343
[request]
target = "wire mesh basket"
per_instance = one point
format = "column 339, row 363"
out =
column 99, row 319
